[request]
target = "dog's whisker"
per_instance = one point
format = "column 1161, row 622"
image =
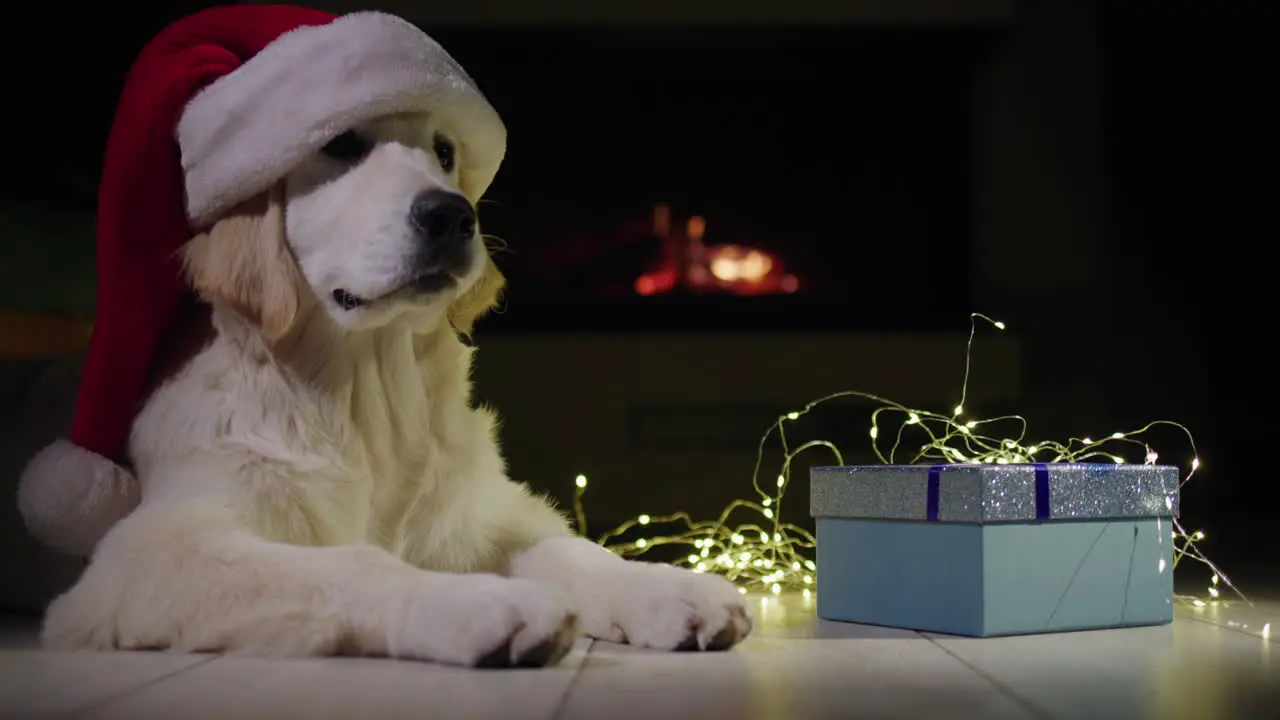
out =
column 495, row 245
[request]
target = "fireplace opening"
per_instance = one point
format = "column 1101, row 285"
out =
column 729, row 179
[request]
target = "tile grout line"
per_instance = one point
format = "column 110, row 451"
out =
column 99, row 704
column 998, row 685
column 573, row 682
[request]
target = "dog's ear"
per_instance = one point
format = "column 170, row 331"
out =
column 243, row 262
column 481, row 297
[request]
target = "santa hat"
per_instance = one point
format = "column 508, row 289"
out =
column 216, row 109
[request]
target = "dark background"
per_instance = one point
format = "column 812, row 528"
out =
column 1137, row 270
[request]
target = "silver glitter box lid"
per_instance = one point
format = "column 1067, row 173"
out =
column 994, row 493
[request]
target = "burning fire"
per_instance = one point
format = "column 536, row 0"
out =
column 732, row 263
column 687, row 261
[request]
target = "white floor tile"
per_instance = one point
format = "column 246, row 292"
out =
column 36, row 683
column 1259, row 618
column 792, row 667
column 349, row 688
column 774, row 678
column 1185, row 670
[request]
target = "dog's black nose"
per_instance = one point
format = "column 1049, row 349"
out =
column 443, row 218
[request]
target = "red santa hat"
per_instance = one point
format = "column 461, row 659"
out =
column 216, row 109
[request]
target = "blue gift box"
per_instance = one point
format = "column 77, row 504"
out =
column 984, row 550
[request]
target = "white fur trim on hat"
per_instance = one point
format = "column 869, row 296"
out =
column 252, row 126
column 70, row 497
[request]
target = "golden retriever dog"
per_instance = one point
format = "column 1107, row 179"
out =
column 316, row 479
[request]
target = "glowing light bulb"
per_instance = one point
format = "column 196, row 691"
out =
column 766, row 502
column 912, row 419
column 781, row 481
column 644, row 519
column 641, row 543
column 875, row 432
column 1117, row 435
column 1195, row 463
column 958, row 411
column 793, row 415
column 999, row 325
column 768, row 513
column 580, row 481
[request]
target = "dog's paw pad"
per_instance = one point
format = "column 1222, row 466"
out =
column 689, row 644
column 541, row 653
column 554, row 648
column 725, row 638
column 499, row 657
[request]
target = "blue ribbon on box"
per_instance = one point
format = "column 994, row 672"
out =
column 935, row 482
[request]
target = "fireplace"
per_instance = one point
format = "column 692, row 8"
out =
column 716, row 180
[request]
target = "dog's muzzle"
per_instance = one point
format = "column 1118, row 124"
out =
column 444, row 226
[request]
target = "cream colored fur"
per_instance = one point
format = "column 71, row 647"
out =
column 317, row 481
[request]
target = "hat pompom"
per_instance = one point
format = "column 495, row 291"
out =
column 69, row 497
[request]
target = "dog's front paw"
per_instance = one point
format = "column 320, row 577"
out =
column 489, row 621
column 663, row 607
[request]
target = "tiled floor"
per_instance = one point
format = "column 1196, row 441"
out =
column 1213, row 662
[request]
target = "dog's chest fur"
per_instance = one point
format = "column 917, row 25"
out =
column 356, row 442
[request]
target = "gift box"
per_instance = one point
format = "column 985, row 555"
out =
column 985, row 550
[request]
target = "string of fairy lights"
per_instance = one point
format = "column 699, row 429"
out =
column 753, row 547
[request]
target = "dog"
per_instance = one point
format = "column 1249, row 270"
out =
column 316, row 479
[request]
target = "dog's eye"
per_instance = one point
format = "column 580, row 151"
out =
column 444, row 152
column 348, row 147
